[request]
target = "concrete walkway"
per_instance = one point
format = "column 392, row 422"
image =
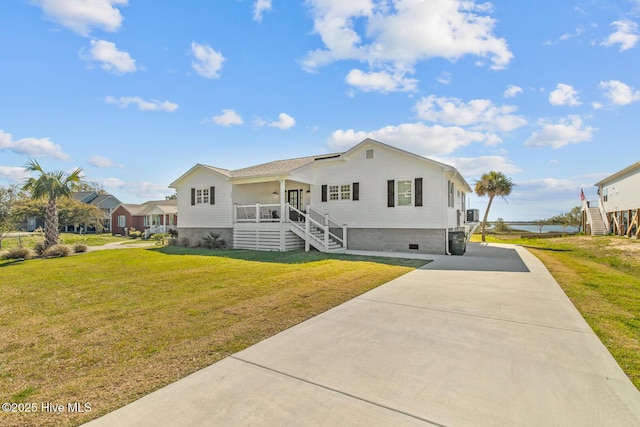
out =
column 484, row 339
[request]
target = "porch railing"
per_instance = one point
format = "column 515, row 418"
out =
column 257, row 213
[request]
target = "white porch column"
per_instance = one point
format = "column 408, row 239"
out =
column 282, row 214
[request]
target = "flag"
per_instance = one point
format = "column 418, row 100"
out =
column 582, row 195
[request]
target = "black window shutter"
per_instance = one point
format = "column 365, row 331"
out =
column 193, row 196
column 391, row 193
column 324, row 193
column 356, row 191
column 212, row 195
column 418, row 192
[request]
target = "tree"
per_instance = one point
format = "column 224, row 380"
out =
column 492, row 184
column 50, row 186
column 9, row 197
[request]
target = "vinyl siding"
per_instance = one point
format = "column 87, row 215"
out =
column 623, row 193
column 371, row 210
column 218, row 215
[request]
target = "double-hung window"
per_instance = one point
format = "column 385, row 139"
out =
column 405, row 193
column 203, row 196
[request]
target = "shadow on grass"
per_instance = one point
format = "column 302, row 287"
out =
column 289, row 257
column 540, row 248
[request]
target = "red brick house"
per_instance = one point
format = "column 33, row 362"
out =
column 155, row 216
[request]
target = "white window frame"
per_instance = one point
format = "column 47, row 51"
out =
column 406, row 197
column 122, row 220
column 202, row 196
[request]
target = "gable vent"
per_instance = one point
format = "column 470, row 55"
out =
column 369, row 153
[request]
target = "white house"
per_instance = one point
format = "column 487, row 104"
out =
column 371, row 197
column 619, row 202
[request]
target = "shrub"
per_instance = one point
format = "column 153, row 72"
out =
column 160, row 238
column 80, row 248
column 213, row 241
column 39, row 248
column 57, row 251
column 173, row 233
column 134, row 234
column 172, row 242
column 184, row 242
column 19, row 253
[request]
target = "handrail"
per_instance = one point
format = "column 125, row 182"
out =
column 603, row 214
column 329, row 222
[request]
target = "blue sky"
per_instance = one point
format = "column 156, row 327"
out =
column 135, row 92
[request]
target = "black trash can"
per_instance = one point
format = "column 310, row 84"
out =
column 457, row 243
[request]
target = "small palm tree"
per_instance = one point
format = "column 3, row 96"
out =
column 492, row 184
column 50, row 186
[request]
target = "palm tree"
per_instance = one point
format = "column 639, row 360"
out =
column 50, row 186
column 492, row 184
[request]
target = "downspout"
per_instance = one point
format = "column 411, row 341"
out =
column 446, row 212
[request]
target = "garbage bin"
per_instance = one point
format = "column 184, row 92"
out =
column 457, row 243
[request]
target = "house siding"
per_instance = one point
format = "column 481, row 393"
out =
column 623, row 193
column 204, row 216
column 372, row 176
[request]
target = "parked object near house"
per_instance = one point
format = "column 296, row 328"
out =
column 371, row 197
column 617, row 210
column 155, row 216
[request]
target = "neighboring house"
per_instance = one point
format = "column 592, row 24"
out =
column 106, row 202
column 156, row 216
column 371, row 197
column 618, row 205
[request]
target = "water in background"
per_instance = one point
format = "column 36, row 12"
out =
column 545, row 229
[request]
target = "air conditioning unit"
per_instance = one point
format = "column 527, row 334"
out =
column 473, row 215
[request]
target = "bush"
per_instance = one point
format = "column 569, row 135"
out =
column 173, row 233
column 213, row 241
column 57, row 251
column 19, row 253
column 39, row 248
column 184, row 242
column 134, row 234
column 160, row 238
column 172, row 242
column 80, row 248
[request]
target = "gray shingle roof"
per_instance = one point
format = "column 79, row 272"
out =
column 277, row 167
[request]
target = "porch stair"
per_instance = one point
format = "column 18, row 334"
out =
column 314, row 233
column 598, row 226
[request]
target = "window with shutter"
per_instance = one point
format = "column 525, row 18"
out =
column 418, row 191
column 356, row 191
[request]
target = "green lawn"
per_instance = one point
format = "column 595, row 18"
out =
column 601, row 276
column 108, row 327
column 65, row 238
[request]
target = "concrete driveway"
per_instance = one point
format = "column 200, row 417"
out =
column 484, row 339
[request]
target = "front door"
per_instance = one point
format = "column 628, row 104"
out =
column 293, row 198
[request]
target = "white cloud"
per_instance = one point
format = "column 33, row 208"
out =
column 619, row 93
column 445, row 78
column 414, row 137
column 124, row 101
column 111, row 59
column 476, row 166
column 13, row 173
column 626, row 35
column 380, row 81
column 284, row 121
column 512, row 91
column 564, row 95
column 141, row 189
column 81, row 16
column 102, row 162
column 227, row 118
column 31, row 146
column 208, row 62
column 569, row 130
column 479, row 113
column 259, row 7
column 394, row 35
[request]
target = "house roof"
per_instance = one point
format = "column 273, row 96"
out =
column 619, row 174
column 166, row 206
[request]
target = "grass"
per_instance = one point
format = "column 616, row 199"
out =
column 65, row 239
column 109, row 327
column 601, row 276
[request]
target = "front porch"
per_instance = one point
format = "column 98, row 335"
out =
column 274, row 227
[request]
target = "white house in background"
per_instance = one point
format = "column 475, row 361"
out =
column 371, row 197
column 619, row 202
